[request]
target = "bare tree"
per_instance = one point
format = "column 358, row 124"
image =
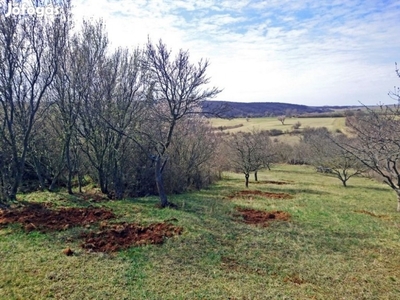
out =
column 296, row 125
column 328, row 157
column 282, row 119
column 29, row 48
column 378, row 143
column 178, row 87
column 111, row 101
column 191, row 155
column 249, row 152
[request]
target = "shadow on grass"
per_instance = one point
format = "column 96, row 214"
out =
column 294, row 191
column 372, row 188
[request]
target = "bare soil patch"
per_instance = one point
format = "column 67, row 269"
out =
column 121, row 236
column 250, row 193
column 38, row 216
column 255, row 217
column 108, row 238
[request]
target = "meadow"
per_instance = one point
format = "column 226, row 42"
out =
column 269, row 123
column 339, row 243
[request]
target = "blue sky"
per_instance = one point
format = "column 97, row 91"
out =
column 338, row 52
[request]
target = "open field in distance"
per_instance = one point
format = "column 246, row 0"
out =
column 269, row 123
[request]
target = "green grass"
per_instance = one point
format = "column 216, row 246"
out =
column 327, row 250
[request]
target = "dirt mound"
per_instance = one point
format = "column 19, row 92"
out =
column 272, row 182
column 252, row 216
column 248, row 194
column 122, row 236
column 37, row 216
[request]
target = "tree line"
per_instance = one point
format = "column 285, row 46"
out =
column 74, row 108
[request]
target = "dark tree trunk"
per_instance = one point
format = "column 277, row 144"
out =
column 36, row 166
column 255, row 176
column 103, row 183
column 118, row 184
column 160, row 183
column 343, row 180
column 247, row 179
column 69, row 182
column 69, row 166
column 54, row 181
column 80, row 182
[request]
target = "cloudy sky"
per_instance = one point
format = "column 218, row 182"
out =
column 314, row 52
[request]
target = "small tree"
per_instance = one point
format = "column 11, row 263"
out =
column 29, row 54
column 249, row 152
column 177, row 89
column 328, row 157
column 282, row 119
column 377, row 144
column 296, row 125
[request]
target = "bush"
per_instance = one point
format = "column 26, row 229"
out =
column 275, row 132
column 296, row 125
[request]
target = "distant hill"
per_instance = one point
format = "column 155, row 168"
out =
column 228, row 109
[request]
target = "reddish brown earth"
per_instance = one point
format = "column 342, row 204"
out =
column 252, row 216
column 109, row 238
column 37, row 216
column 122, row 236
column 249, row 193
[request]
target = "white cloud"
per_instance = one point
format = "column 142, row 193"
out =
column 311, row 52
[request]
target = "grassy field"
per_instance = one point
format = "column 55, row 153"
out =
column 272, row 123
column 340, row 243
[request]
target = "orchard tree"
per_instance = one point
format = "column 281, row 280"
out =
column 249, row 152
column 378, row 143
column 327, row 156
column 177, row 89
column 282, row 119
column 29, row 54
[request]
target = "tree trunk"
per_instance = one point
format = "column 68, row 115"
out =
column 54, row 181
column 80, row 181
column 69, row 182
column 160, row 183
column 255, row 176
column 69, row 166
column 247, row 179
column 103, row 182
column 36, row 166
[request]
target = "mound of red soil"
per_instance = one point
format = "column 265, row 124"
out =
column 122, row 236
column 252, row 216
column 250, row 193
column 37, row 216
